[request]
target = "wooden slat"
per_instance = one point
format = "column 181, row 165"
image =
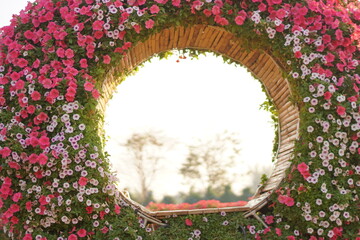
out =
column 259, row 61
column 289, row 139
column 171, row 38
column 190, row 36
column 201, row 36
column 208, row 38
column 223, row 43
column 289, row 118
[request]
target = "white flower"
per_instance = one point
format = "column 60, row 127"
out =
column 96, row 224
column 82, row 127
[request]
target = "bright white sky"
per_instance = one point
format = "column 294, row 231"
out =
column 185, row 101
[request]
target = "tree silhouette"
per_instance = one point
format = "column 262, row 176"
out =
column 208, row 162
column 145, row 152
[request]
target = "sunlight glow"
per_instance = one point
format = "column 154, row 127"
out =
column 203, row 98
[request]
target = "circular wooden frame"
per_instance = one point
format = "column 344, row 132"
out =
column 261, row 65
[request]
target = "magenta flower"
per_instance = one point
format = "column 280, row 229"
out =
column 98, row 25
column 106, row 59
column 149, row 24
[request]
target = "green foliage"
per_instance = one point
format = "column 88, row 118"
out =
column 215, row 226
column 269, row 106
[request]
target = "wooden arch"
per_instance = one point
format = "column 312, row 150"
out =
column 262, row 65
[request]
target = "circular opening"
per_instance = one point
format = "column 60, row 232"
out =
column 188, row 111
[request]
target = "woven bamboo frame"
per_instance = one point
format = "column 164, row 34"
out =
column 262, row 66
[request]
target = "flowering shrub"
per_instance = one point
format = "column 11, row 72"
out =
column 198, row 205
column 55, row 177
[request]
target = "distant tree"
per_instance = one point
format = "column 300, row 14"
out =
column 258, row 175
column 168, row 199
column 246, row 193
column 145, row 150
column 208, row 162
column 228, row 195
column 149, row 198
column 210, row 194
column 193, row 197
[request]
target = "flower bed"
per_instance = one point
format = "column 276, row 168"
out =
column 198, row 205
column 55, row 178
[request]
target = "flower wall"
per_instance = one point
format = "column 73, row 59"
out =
column 55, row 178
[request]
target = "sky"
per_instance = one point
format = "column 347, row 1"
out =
column 184, row 101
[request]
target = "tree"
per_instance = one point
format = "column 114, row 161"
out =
column 192, row 197
column 167, row 199
column 145, row 152
column 208, row 162
column 228, row 195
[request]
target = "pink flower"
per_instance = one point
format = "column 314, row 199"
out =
column 35, row 96
column 43, row 201
column 5, row 152
column 29, row 34
column 262, row 7
column 329, row 57
column 106, row 59
column 149, row 24
column 298, row 54
column 269, row 219
column 33, row 158
column 60, row 52
column 15, row 76
column 69, row 53
column 339, row 35
column 72, row 237
column 14, row 165
column 81, row 233
column 137, row 28
column 82, row 181
column 327, row 95
column 221, row 20
column 216, row 10
column 98, row 25
column 338, row 231
column 239, row 20
column 83, row 63
column 188, row 222
column 117, row 209
column 154, row 9
column 27, row 237
column 341, row 110
column 278, row 231
column 54, row 93
column 176, row 3
column 21, row 62
column 207, row 12
column 88, row 86
column 288, row 201
column 28, row 205
column 104, row 229
column 14, row 208
column 16, row 197
column 95, row 93
column 42, row 159
column 44, row 142
column 89, row 209
column 302, row 167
